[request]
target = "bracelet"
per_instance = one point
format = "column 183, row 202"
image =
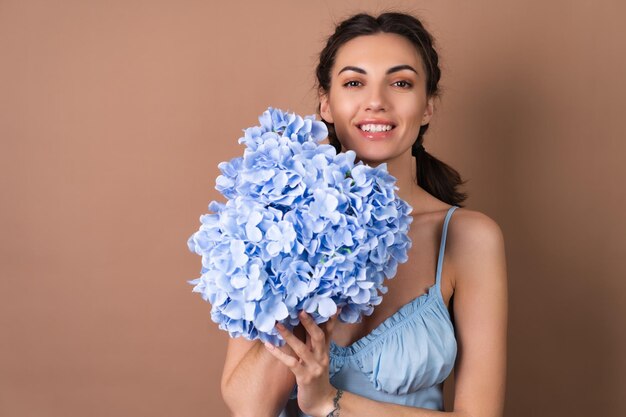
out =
column 335, row 412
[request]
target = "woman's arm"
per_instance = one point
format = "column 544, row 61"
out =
column 476, row 246
column 480, row 311
column 254, row 383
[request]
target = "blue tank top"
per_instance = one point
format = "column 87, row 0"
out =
column 406, row 358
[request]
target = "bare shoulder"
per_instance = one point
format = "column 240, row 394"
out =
column 470, row 226
column 475, row 244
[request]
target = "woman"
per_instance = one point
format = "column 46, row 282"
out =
column 378, row 78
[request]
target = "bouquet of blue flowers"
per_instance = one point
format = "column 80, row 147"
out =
column 303, row 228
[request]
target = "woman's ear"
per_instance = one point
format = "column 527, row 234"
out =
column 428, row 112
column 325, row 108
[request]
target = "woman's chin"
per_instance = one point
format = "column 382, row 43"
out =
column 371, row 160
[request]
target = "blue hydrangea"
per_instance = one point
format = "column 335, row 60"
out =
column 303, row 228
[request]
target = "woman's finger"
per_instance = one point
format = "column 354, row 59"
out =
column 296, row 344
column 316, row 335
column 329, row 327
column 291, row 362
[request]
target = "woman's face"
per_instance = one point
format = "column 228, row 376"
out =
column 377, row 99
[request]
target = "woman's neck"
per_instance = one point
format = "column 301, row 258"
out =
column 403, row 168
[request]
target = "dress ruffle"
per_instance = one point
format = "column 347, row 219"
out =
column 415, row 348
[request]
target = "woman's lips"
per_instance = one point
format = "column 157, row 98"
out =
column 375, row 135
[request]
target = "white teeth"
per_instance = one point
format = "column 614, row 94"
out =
column 375, row 128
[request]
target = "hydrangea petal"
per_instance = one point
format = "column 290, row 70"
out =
column 326, row 307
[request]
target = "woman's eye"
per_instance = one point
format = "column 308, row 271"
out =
column 403, row 84
column 352, row 84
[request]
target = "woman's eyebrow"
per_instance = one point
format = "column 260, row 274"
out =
column 351, row 68
column 400, row 68
column 389, row 71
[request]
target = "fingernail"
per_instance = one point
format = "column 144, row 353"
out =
column 269, row 346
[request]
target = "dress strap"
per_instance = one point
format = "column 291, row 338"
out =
column 442, row 246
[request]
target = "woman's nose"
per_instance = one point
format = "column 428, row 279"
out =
column 376, row 101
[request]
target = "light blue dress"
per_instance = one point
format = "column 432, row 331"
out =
column 407, row 357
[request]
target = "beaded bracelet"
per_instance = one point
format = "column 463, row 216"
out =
column 335, row 412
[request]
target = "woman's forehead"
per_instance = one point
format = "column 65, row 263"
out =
column 378, row 50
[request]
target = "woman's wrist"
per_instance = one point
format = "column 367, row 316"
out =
column 332, row 406
column 336, row 405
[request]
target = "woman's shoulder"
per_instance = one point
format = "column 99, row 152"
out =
column 474, row 243
column 471, row 226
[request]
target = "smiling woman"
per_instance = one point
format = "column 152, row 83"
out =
column 378, row 78
column 379, row 105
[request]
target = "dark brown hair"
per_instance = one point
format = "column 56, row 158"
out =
column 433, row 175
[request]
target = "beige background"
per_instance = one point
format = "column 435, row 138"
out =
column 114, row 115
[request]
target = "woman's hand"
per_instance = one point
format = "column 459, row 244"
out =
column 310, row 365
